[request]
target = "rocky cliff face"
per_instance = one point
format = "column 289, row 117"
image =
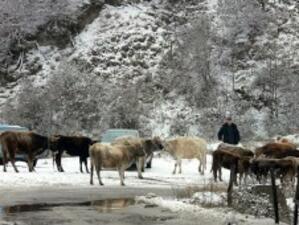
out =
column 164, row 67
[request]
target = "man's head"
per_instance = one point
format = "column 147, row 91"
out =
column 228, row 120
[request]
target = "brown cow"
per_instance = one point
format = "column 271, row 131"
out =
column 228, row 155
column 283, row 168
column 285, row 141
column 291, row 173
column 28, row 143
column 274, row 149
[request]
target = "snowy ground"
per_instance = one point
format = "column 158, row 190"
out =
column 159, row 176
column 205, row 215
column 189, row 202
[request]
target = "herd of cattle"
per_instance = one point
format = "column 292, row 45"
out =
column 281, row 156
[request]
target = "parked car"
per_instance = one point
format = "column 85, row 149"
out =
column 18, row 157
column 113, row 134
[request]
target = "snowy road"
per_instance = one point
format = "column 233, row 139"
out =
column 111, row 206
column 159, row 176
column 47, row 196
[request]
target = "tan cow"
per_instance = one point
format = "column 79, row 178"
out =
column 187, row 148
column 150, row 145
column 118, row 156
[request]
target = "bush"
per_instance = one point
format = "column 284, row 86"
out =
column 74, row 101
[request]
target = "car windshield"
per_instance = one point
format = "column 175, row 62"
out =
column 12, row 128
column 111, row 135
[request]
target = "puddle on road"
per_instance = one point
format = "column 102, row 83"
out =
column 89, row 212
column 103, row 206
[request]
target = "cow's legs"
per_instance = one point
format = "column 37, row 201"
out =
column 149, row 159
column 259, row 179
column 30, row 162
column 4, row 160
column 121, row 176
column 142, row 163
column 80, row 162
column 91, row 171
column 12, row 160
column 98, row 169
column 240, row 178
column 245, row 178
column 201, row 167
column 180, row 166
column 215, row 174
column 220, row 173
column 175, row 165
column 58, row 161
column 30, row 166
column 139, row 163
column 86, row 165
column 236, row 179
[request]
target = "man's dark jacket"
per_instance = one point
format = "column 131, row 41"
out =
column 229, row 134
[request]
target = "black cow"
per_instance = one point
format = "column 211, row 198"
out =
column 74, row 146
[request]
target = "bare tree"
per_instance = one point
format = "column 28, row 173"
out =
column 189, row 63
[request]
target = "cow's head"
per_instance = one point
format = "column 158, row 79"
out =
column 154, row 144
column 93, row 142
column 53, row 142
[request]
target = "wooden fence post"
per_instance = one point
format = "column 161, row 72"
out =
column 274, row 195
column 296, row 199
column 232, row 178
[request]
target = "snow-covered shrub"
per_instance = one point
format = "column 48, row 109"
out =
column 256, row 200
column 125, row 110
column 189, row 64
column 29, row 110
column 243, row 20
column 75, row 101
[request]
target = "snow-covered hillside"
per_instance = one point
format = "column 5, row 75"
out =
column 122, row 44
column 164, row 67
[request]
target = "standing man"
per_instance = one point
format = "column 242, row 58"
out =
column 229, row 132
